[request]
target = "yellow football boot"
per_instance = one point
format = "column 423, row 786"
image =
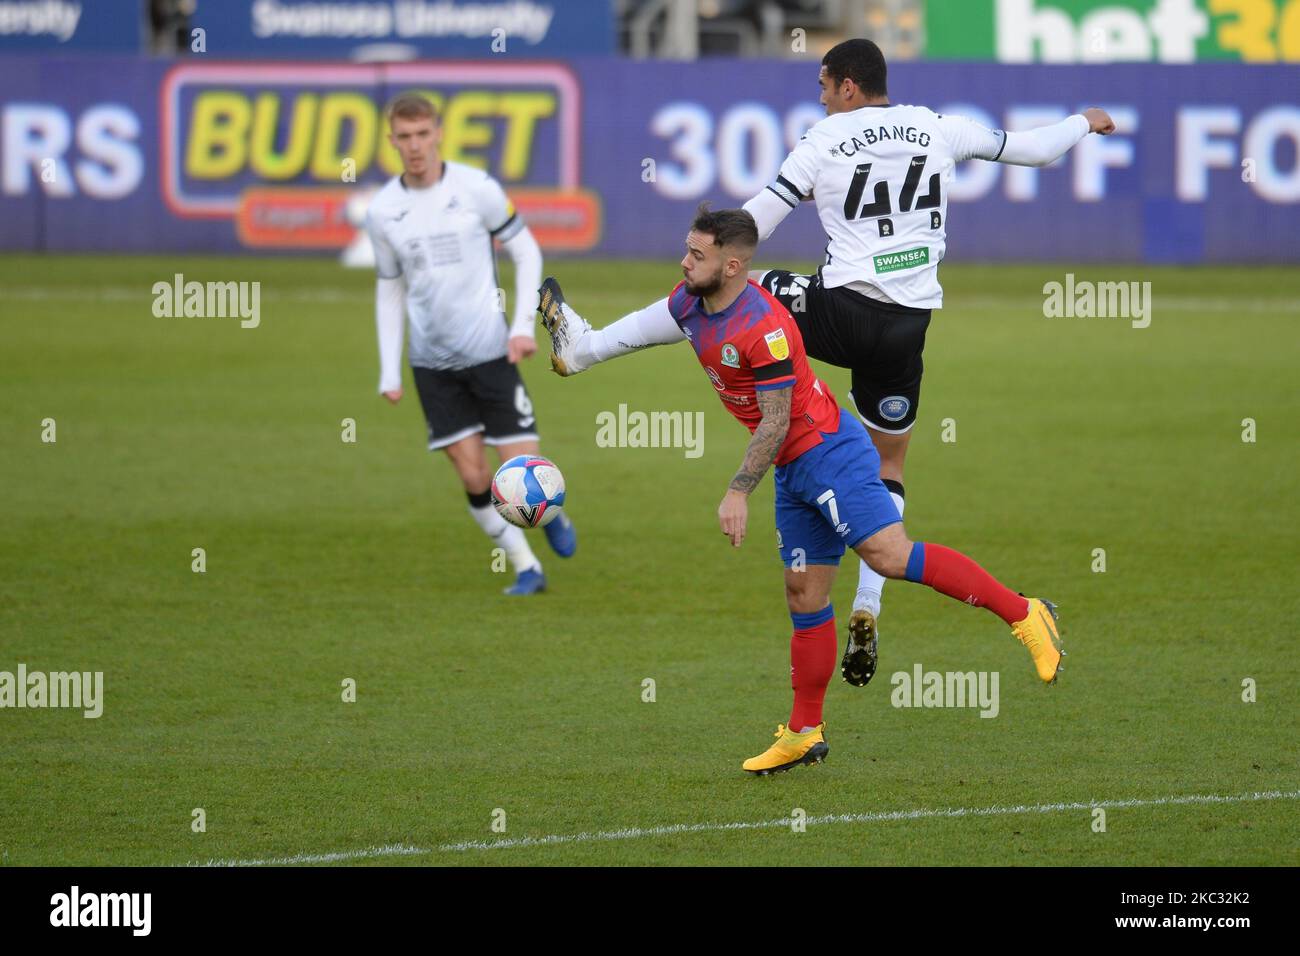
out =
column 790, row 750
column 1038, row 633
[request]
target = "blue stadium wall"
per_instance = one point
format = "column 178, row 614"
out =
column 610, row 157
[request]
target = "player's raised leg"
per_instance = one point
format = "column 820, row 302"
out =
column 1032, row 621
column 842, row 478
column 576, row 346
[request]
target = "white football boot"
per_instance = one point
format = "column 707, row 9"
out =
column 564, row 326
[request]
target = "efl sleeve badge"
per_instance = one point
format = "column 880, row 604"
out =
column 777, row 344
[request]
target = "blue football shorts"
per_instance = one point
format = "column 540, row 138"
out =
column 831, row 497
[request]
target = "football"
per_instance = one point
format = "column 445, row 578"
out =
column 528, row 491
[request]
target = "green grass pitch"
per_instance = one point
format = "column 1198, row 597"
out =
column 329, row 560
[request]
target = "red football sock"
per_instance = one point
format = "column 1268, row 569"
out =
column 952, row 573
column 812, row 662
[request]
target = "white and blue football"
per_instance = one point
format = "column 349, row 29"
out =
column 528, row 491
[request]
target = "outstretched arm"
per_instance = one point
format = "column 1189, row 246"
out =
column 769, row 436
column 1034, row 147
column 1038, row 147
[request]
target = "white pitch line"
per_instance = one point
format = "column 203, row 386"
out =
column 369, row 853
column 631, row 833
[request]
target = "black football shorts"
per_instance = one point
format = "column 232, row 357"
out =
column 879, row 342
column 488, row 398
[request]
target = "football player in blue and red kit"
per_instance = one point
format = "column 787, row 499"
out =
column 829, row 495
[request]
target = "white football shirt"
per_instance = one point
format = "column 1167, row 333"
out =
column 880, row 177
column 439, row 239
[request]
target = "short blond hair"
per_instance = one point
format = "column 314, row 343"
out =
column 411, row 106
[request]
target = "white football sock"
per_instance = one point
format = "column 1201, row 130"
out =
column 870, row 583
column 507, row 536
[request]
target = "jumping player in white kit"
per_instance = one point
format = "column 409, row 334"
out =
column 433, row 229
column 879, row 175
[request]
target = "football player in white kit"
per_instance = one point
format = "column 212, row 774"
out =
column 879, row 174
column 433, row 229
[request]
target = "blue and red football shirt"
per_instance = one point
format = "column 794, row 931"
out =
column 754, row 344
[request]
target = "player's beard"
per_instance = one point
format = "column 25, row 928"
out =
column 705, row 289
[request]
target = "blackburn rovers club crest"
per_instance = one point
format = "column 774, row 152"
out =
column 730, row 356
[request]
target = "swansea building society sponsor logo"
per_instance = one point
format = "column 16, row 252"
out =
column 907, row 259
column 76, row 908
column 921, row 688
column 79, row 690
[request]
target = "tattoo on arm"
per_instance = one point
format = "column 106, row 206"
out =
column 768, row 438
